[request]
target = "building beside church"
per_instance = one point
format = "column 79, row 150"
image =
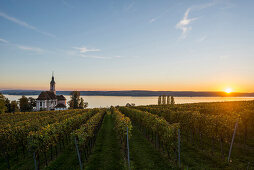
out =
column 48, row 100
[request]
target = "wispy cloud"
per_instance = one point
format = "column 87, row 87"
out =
column 85, row 49
column 22, row 47
column 84, row 53
column 159, row 16
column 201, row 39
column 3, row 40
column 99, row 56
column 184, row 23
column 24, row 24
column 95, row 56
column 129, row 7
column 27, row 48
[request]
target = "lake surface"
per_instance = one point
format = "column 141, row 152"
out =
column 107, row 101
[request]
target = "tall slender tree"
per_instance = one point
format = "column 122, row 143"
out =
column 2, row 104
column 163, row 99
column 8, row 105
column 76, row 101
column 172, row 100
column 168, row 99
column 14, row 107
column 24, row 104
column 81, row 104
column 159, row 100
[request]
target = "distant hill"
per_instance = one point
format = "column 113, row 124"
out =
column 136, row 93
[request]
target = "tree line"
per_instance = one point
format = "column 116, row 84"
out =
column 27, row 104
column 163, row 100
column 24, row 104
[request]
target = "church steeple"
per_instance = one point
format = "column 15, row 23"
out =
column 53, row 84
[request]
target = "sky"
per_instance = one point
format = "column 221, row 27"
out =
column 175, row 45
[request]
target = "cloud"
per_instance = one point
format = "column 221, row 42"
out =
column 201, row 39
column 184, row 23
column 95, row 56
column 85, row 49
column 27, row 48
column 82, row 52
column 152, row 20
column 24, row 24
column 3, row 41
column 129, row 7
column 99, row 56
column 22, row 47
column 159, row 16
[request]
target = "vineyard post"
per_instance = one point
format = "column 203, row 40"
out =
column 35, row 164
column 80, row 163
column 231, row 145
column 128, row 153
column 248, row 165
column 179, row 160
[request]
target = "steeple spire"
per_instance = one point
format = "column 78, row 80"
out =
column 53, row 83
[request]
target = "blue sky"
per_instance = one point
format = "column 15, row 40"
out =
column 201, row 45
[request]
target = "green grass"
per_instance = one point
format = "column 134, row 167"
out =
column 107, row 152
column 24, row 161
column 66, row 160
column 143, row 155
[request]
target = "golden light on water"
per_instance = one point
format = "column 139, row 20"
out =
column 228, row 90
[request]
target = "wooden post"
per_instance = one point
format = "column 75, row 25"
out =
column 80, row 163
column 128, row 152
column 179, row 160
column 35, row 164
column 248, row 165
column 231, row 145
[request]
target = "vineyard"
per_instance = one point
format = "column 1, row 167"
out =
column 173, row 136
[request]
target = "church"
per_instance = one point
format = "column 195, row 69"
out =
column 48, row 100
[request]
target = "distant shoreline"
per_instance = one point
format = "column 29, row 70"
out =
column 135, row 93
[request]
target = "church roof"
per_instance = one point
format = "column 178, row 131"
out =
column 47, row 95
column 60, row 105
column 60, row 97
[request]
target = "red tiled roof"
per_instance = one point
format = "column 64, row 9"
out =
column 47, row 95
column 60, row 105
column 60, row 97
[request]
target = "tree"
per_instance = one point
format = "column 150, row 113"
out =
column 2, row 104
column 8, row 105
column 168, row 99
column 14, row 107
column 77, row 102
column 81, row 104
column 85, row 104
column 24, row 104
column 159, row 100
column 163, row 99
column 32, row 101
column 172, row 100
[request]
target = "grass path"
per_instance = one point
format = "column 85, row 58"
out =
column 106, row 153
column 143, row 155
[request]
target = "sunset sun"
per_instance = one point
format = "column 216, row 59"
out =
column 228, row 90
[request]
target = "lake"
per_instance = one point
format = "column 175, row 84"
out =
column 106, row 101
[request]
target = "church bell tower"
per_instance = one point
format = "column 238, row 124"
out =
column 53, row 84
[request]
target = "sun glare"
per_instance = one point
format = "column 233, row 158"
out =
column 228, row 90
